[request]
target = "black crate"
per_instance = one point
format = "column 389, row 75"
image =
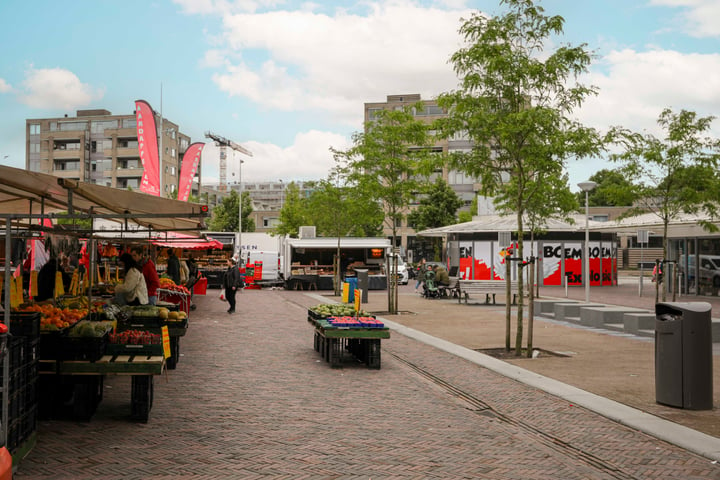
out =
column 25, row 324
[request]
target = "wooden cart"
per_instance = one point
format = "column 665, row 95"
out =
column 89, row 376
column 360, row 342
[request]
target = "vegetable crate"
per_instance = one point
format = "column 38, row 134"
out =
column 22, row 390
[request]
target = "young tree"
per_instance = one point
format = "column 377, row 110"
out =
column 515, row 103
column 438, row 207
column 388, row 163
column 225, row 215
column 293, row 214
column 674, row 175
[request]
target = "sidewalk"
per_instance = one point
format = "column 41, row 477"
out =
column 612, row 365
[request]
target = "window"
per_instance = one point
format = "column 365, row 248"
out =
column 129, row 122
column 71, row 126
column 34, row 129
column 184, row 144
column 34, row 148
column 172, row 152
column 100, row 126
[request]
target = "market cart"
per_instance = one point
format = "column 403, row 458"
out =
column 361, row 341
column 88, row 376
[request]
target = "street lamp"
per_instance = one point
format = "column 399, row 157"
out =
column 587, row 187
column 240, row 212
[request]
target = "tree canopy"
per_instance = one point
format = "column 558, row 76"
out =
column 515, row 104
column 225, row 215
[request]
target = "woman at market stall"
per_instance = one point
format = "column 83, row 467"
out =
column 173, row 266
column 231, row 281
column 152, row 281
column 133, row 290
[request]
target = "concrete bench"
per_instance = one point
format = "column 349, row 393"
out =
column 465, row 288
column 635, row 322
column 546, row 307
column 598, row 317
column 571, row 311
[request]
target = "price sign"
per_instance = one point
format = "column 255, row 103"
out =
column 357, row 300
column 166, row 341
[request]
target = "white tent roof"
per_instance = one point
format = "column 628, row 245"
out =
column 345, row 242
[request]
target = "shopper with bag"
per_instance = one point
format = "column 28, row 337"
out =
column 231, row 282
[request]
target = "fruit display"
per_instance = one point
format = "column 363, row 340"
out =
column 135, row 337
column 85, row 328
column 352, row 322
column 54, row 318
column 168, row 284
column 325, row 310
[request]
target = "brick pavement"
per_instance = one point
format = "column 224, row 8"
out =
column 250, row 398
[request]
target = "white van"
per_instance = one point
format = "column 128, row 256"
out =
column 270, row 263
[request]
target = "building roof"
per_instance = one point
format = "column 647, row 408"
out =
column 506, row 223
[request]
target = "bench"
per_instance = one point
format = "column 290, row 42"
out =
column 465, row 288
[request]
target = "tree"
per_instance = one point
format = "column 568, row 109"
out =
column 673, row 175
column 338, row 210
column 515, row 105
column 293, row 213
column 465, row 216
column 438, row 207
column 388, row 163
column 225, row 215
column 613, row 190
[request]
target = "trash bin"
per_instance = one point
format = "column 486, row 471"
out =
column 363, row 282
column 683, row 355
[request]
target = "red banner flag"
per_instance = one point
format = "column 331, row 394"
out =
column 190, row 163
column 148, row 148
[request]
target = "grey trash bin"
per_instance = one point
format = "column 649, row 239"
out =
column 683, row 355
column 363, row 282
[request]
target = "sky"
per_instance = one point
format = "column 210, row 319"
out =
column 288, row 79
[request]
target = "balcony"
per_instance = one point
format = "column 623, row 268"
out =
column 127, row 152
column 67, row 154
column 128, row 172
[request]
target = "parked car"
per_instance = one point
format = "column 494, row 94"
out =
column 403, row 276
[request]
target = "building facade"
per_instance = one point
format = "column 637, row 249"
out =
column 465, row 187
column 98, row 147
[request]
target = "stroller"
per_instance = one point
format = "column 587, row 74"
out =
column 430, row 289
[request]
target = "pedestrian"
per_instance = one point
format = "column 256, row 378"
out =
column 419, row 273
column 173, row 266
column 133, row 290
column 152, row 281
column 231, row 282
column 657, row 275
column 193, row 276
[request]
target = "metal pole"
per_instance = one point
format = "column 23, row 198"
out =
column 587, row 250
column 160, row 153
column 240, row 210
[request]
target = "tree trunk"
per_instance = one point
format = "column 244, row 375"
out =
column 531, row 306
column 521, row 289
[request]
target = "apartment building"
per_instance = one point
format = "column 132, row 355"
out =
column 98, row 147
column 465, row 187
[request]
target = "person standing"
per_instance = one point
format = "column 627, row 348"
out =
column 193, row 276
column 152, row 281
column 419, row 274
column 173, row 266
column 231, row 281
column 133, row 290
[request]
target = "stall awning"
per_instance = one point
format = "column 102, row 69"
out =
column 25, row 194
column 186, row 242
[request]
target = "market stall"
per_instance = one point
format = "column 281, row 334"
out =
column 309, row 261
column 339, row 330
column 74, row 344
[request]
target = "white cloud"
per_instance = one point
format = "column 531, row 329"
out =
column 205, row 7
column 308, row 158
column 700, row 17
column 314, row 61
column 639, row 85
column 56, row 88
column 4, row 86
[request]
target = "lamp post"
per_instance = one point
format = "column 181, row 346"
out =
column 240, row 190
column 587, row 187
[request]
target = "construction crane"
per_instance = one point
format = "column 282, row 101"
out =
column 223, row 142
